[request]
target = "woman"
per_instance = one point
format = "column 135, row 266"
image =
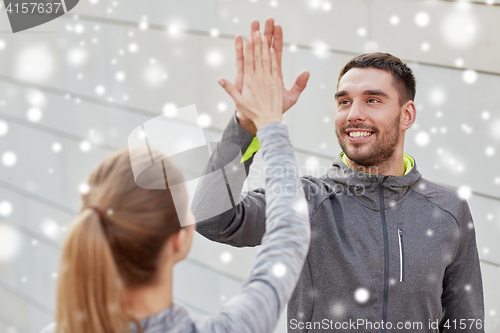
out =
column 117, row 263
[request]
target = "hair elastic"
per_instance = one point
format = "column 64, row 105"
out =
column 98, row 211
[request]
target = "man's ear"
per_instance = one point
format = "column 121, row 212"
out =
column 408, row 115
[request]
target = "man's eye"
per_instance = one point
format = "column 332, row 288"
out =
column 344, row 102
column 372, row 100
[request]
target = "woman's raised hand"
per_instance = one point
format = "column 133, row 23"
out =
column 274, row 35
column 261, row 99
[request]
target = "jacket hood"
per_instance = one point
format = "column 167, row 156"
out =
column 364, row 186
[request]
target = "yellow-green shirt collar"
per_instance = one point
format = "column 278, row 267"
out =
column 407, row 159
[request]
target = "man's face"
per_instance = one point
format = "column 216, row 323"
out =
column 367, row 122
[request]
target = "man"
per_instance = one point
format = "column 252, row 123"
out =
column 390, row 251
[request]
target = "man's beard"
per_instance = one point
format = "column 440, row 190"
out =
column 379, row 152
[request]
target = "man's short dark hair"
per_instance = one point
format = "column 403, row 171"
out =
column 403, row 75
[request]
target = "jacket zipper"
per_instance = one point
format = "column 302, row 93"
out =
column 401, row 256
column 386, row 253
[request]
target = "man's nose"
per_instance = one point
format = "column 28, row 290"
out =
column 356, row 113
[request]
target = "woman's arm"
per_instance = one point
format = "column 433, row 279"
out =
column 285, row 243
column 277, row 266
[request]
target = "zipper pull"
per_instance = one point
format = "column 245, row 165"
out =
column 401, row 256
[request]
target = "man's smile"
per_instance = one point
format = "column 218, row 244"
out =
column 358, row 135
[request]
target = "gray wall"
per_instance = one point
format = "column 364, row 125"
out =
column 453, row 48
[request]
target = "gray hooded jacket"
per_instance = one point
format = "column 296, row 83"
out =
column 387, row 253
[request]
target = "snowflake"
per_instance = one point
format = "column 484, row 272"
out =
column 464, row 192
column 79, row 29
column 56, row 147
column 469, row 76
column 362, row 31
column 459, row 28
column 226, row 257
column 437, row 96
column 394, row 20
column 133, row 48
column 361, row 295
column 485, row 115
column 100, row 90
column 338, row 309
column 279, row 270
column 34, row 114
column 120, row 76
column 215, row 58
column 490, row 151
column 9, row 158
column 50, row 228
column 214, row 32
column 422, row 19
column 77, row 56
column 222, row 106
column 85, row 146
column 11, row 243
column 5, row 208
column 4, row 128
column 422, row 138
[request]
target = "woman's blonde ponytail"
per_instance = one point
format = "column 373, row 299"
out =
column 90, row 288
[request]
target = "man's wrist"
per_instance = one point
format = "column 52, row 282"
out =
column 236, row 117
column 247, row 126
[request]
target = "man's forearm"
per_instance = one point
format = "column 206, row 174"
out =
column 221, row 191
column 235, row 134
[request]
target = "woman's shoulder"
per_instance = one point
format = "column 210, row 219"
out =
column 174, row 319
